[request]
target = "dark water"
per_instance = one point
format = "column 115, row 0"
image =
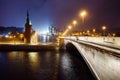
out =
column 43, row 65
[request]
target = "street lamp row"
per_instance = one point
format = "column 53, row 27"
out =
column 83, row 14
column 75, row 22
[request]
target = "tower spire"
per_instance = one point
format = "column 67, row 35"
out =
column 28, row 29
column 27, row 18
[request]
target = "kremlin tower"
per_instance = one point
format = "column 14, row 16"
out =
column 28, row 30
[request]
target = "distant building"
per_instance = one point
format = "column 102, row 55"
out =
column 28, row 30
column 53, row 30
column 53, row 33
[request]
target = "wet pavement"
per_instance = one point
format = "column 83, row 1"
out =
column 43, row 65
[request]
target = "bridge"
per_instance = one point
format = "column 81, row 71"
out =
column 102, row 54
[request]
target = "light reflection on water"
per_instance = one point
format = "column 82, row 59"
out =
column 66, row 62
column 67, row 67
column 43, row 65
column 35, row 65
column 34, row 61
column 33, row 57
column 15, row 56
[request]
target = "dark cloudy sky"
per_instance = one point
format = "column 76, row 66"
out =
column 60, row 13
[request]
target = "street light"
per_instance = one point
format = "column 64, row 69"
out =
column 83, row 14
column 69, row 27
column 74, row 22
column 104, row 28
column 94, row 30
column 88, row 32
column 113, row 34
column 64, row 33
column 67, row 30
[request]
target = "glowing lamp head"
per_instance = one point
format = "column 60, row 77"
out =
column 69, row 27
column 74, row 22
column 83, row 13
column 103, row 27
column 94, row 30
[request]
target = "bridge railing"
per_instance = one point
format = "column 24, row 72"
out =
column 113, row 41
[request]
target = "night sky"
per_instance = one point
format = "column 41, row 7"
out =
column 60, row 13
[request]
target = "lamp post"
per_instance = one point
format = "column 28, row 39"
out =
column 82, row 15
column 94, row 30
column 88, row 32
column 69, row 28
column 113, row 34
column 74, row 22
column 104, row 29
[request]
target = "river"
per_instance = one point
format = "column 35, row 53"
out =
column 42, row 65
